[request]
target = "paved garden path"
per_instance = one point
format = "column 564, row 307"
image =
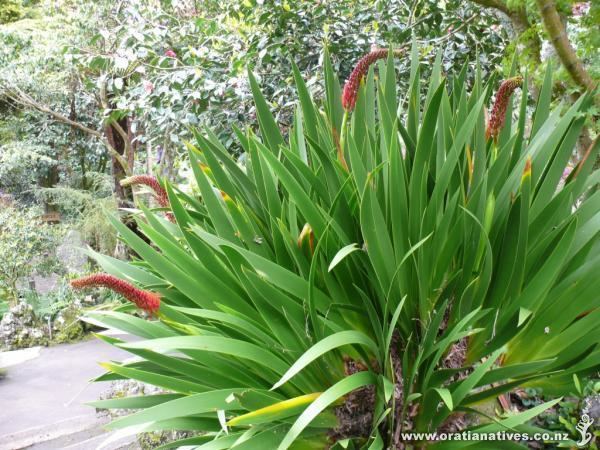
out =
column 42, row 398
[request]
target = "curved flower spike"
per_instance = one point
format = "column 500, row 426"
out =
column 152, row 182
column 360, row 70
column 146, row 300
column 498, row 113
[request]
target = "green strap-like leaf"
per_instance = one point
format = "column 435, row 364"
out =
column 328, row 397
column 325, row 345
column 217, row 344
column 341, row 254
column 182, row 407
column 446, row 396
column 268, row 126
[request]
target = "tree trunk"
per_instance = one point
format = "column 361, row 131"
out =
column 148, row 157
column 74, row 135
column 50, row 179
column 167, row 158
column 116, row 141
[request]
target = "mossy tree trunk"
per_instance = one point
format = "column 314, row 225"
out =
column 557, row 34
column 118, row 141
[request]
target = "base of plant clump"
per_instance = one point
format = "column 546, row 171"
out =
column 457, row 355
column 355, row 415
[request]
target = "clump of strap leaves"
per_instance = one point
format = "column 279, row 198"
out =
column 352, row 283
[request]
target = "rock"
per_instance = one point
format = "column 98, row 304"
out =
column 66, row 326
column 591, row 405
column 69, row 252
column 45, row 284
column 127, row 388
column 19, row 328
column 132, row 388
column 149, row 441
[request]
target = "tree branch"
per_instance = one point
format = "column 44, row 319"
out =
column 20, row 97
column 114, row 124
column 522, row 26
column 560, row 41
column 496, row 4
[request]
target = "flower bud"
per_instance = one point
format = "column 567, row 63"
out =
column 526, row 170
column 307, row 233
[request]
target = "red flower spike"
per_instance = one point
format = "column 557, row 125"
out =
column 146, row 300
column 152, row 182
column 498, row 113
column 360, row 70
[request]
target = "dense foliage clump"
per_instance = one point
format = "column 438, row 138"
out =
column 379, row 270
column 26, row 245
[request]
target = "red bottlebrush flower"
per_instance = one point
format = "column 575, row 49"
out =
column 146, row 300
column 171, row 53
column 496, row 121
column 152, row 182
column 353, row 82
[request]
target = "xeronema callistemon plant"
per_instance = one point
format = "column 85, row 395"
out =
column 343, row 293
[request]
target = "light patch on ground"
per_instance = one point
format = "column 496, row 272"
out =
column 15, row 357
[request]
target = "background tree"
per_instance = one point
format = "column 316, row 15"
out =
column 24, row 245
column 85, row 85
column 568, row 29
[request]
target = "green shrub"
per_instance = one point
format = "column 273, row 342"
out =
column 10, row 10
column 3, row 307
column 85, row 210
column 70, row 328
column 565, row 416
column 382, row 270
column 26, row 245
column 191, row 67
